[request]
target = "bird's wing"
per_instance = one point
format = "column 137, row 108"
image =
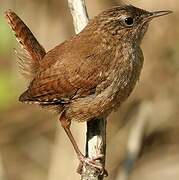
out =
column 72, row 69
column 33, row 52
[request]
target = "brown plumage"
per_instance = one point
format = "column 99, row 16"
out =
column 33, row 51
column 89, row 75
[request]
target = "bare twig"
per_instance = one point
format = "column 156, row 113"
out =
column 79, row 14
column 95, row 147
column 96, row 129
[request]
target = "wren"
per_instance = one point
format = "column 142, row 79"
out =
column 89, row 75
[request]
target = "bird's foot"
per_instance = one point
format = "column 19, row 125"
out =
column 92, row 163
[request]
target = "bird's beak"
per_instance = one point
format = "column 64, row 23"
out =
column 158, row 14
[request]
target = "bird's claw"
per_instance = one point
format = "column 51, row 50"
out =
column 92, row 163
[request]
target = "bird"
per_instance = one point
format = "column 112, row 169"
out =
column 92, row 73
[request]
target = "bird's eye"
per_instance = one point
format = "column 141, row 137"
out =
column 129, row 21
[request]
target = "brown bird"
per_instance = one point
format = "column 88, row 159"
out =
column 91, row 74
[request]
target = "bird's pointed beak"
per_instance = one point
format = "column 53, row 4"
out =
column 158, row 14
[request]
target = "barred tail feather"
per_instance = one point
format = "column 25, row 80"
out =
column 34, row 52
column 26, row 98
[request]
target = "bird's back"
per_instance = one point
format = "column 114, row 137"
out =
column 73, row 69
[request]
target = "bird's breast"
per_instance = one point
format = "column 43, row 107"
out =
column 127, row 74
column 122, row 77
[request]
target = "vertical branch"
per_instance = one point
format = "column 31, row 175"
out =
column 95, row 147
column 96, row 129
column 79, row 14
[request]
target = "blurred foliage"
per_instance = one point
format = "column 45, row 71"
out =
column 7, row 91
column 27, row 133
column 6, row 42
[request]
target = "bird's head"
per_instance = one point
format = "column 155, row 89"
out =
column 127, row 23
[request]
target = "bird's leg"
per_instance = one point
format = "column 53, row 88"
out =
column 65, row 123
column 66, row 126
